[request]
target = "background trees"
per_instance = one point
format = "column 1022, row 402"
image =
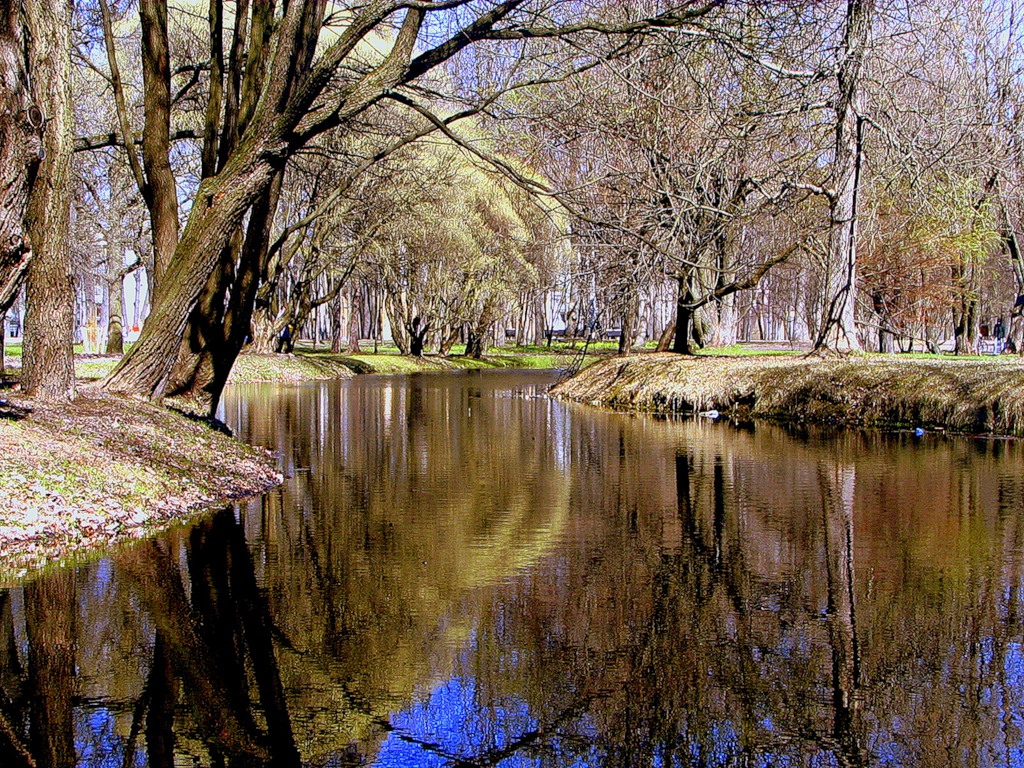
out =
column 846, row 172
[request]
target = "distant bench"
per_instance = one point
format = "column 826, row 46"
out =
column 565, row 335
column 988, row 345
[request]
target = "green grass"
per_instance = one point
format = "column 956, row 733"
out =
column 741, row 350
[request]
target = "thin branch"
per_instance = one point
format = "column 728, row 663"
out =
column 100, row 141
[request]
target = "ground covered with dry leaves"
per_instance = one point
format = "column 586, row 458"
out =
column 75, row 478
column 972, row 395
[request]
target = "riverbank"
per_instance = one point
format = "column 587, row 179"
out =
column 891, row 391
column 76, row 478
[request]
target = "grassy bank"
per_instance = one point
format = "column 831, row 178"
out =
column 75, row 478
column 973, row 395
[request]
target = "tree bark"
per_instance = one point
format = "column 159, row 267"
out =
column 20, row 149
column 48, row 363
column 684, row 318
column 224, row 331
column 417, row 336
column 161, row 191
column 220, row 205
column 474, row 343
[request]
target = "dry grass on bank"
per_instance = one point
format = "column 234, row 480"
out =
column 76, row 477
column 885, row 390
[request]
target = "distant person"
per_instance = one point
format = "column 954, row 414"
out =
column 999, row 332
column 984, row 330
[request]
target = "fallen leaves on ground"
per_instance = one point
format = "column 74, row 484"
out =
column 79, row 477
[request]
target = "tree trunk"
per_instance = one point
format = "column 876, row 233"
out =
column 161, row 191
column 274, row 132
column 355, row 326
column 337, row 312
column 665, row 340
column 839, row 330
column 48, row 371
column 20, row 150
column 886, row 340
column 115, row 290
column 417, row 337
column 266, row 332
column 221, row 203
column 702, row 326
column 220, row 332
column 684, row 319
column 475, row 343
column 725, row 333
column 965, row 325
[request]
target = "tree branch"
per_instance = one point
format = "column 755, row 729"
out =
column 103, row 140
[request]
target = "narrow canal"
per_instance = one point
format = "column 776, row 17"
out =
column 460, row 571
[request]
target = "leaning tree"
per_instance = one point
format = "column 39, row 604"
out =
column 292, row 72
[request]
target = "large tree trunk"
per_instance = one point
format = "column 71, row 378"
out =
column 202, row 371
column 839, row 330
column 220, row 205
column 48, row 369
column 417, row 336
column 20, row 149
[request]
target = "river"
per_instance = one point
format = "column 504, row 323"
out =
column 460, row 571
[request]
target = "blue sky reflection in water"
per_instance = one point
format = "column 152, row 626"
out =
column 460, row 571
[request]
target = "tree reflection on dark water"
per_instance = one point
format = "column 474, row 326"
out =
column 461, row 572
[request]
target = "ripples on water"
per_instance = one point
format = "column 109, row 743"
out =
column 460, row 571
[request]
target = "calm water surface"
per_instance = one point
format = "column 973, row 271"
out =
column 462, row 572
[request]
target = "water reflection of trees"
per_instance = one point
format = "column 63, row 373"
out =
column 715, row 597
column 204, row 641
column 762, row 626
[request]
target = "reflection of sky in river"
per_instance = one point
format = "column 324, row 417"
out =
column 450, row 726
column 97, row 742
